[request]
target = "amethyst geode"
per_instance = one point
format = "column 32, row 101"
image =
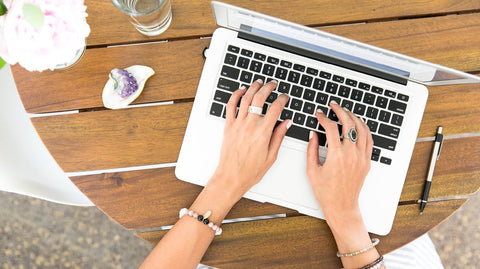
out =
column 125, row 83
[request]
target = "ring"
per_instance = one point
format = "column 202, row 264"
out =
column 255, row 110
column 352, row 135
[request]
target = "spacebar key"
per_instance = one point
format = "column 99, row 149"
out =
column 384, row 142
column 298, row 133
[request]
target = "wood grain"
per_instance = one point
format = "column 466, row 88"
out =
column 152, row 198
column 450, row 40
column 195, row 18
column 305, row 242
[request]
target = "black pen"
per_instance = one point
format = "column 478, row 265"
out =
column 435, row 155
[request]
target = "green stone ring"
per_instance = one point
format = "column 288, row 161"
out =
column 352, row 135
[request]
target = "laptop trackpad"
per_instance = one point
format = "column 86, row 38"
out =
column 287, row 181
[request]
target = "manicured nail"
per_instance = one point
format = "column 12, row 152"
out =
column 242, row 88
column 259, row 81
column 346, row 109
column 289, row 124
column 320, row 111
column 274, row 81
column 333, row 102
column 310, row 135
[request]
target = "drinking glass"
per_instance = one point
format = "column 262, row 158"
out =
column 150, row 17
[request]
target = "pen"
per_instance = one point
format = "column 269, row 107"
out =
column 435, row 155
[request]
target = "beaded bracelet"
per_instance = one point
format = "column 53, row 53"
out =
column 202, row 218
column 375, row 264
column 375, row 242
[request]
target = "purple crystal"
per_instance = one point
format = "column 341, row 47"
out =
column 125, row 83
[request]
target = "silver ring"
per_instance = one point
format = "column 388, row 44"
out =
column 255, row 110
column 352, row 135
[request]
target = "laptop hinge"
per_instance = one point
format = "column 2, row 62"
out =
column 323, row 58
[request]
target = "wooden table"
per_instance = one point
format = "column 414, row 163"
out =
column 446, row 32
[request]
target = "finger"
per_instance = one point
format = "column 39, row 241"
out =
column 275, row 110
column 263, row 93
column 362, row 131
column 248, row 97
column 277, row 138
column 344, row 117
column 312, row 154
column 331, row 129
column 231, row 109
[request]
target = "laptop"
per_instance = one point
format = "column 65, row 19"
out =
column 384, row 88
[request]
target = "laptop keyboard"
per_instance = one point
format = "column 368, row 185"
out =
column 311, row 89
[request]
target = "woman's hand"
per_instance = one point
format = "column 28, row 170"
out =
column 337, row 183
column 249, row 147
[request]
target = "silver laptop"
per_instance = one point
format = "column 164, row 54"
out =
column 312, row 67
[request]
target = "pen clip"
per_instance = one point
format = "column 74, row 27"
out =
column 439, row 138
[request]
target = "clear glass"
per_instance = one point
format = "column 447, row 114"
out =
column 150, row 17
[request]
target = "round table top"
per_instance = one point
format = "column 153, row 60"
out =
column 123, row 160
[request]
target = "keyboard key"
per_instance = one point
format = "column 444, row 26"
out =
column 268, row 70
column 319, row 84
column 299, row 118
column 259, row 56
column 375, row 157
column 296, row 104
column 364, row 86
column 286, row 114
column 299, row 67
column 376, row 151
column 309, row 108
column 369, row 98
column 309, row 95
column 402, row 97
column 286, row 64
column 386, row 160
column 293, row 76
column 323, row 109
column 321, row 98
column 332, row 115
column 388, row 130
column 359, row 109
column 283, row 87
column 381, row 102
column 390, row 93
column 322, row 139
column 273, row 60
column 347, row 104
column 383, row 142
column 344, row 91
column 271, row 97
column 397, row 119
column 325, row 75
column 356, row 95
column 331, row 88
column 222, row 97
column 312, row 71
column 398, row 107
column 372, row 112
column 216, row 109
column 230, row 72
column 230, row 59
column 384, row 116
column 336, row 99
column 296, row 91
column 256, row 66
column 281, row 73
column 233, row 49
column 257, row 77
column 246, row 77
column 224, row 113
column 338, row 79
column 351, row 82
column 243, row 62
column 226, row 84
column 247, row 53
column 373, row 125
column 312, row 122
column 298, row 133
column 306, row 80
column 376, row 89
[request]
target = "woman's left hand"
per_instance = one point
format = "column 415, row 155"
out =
column 250, row 145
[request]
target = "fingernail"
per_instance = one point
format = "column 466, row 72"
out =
column 333, row 102
column 320, row 111
column 289, row 124
column 274, row 81
column 242, row 88
column 259, row 81
column 346, row 109
column 310, row 135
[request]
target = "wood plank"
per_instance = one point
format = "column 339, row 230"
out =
column 158, row 194
column 178, row 64
column 95, row 140
column 195, row 18
column 257, row 243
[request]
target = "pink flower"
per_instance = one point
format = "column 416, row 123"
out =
column 62, row 33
